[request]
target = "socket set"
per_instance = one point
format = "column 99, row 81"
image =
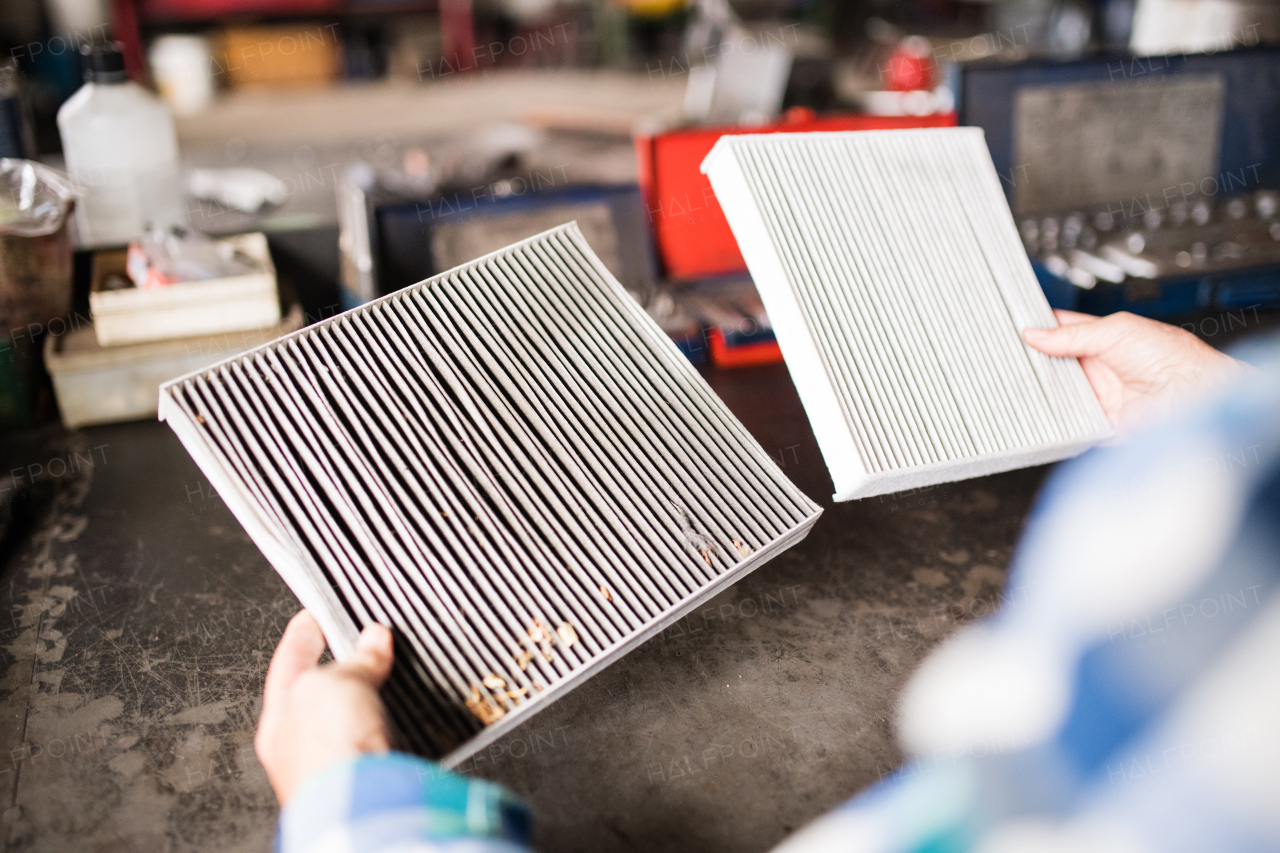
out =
column 1132, row 258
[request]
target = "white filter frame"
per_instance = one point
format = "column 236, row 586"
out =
column 891, row 269
column 611, row 490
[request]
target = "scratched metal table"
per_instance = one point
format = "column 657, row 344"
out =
column 138, row 620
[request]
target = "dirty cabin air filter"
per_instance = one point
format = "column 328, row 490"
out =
column 898, row 288
column 508, row 463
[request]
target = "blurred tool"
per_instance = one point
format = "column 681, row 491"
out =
column 35, row 275
column 910, row 66
column 904, row 74
column 120, row 144
column 685, row 330
column 733, row 321
column 247, row 190
column 743, row 74
column 1228, row 235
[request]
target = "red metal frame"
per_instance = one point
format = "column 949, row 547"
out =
column 690, row 232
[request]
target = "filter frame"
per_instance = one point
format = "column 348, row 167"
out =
column 910, row 365
column 266, row 477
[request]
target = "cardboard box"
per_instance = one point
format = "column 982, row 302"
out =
column 100, row 385
column 292, row 55
column 219, row 305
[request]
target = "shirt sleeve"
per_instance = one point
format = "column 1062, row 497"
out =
column 396, row 803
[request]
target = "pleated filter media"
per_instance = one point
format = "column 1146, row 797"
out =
column 508, row 463
column 897, row 285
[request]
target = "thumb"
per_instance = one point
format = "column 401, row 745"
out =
column 298, row 652
column 371, row 661
column 1079, row 339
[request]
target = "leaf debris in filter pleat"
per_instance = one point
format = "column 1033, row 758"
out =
column 540, row 636
column 700, row 543
column 743, row 548
column 567, row 634
column 523, row 659
column 483, row 708
column 604, row 592
column 494, row 681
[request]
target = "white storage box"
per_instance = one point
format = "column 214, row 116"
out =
column 99, row 385
column 233, row 304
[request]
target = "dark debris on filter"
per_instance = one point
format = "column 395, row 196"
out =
column 702, row 545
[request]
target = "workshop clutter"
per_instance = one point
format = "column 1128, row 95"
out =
column 163, row 299
column 166, row 286
column 167, row 304
column 1145, row 184
column 713, row 311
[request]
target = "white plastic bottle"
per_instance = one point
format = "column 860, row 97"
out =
column 119, row 143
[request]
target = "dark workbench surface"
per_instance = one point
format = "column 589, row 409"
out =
column 138, row 619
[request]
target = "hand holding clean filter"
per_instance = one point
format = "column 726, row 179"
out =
column 898, row 287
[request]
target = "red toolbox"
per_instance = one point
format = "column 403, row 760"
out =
column 693, row 239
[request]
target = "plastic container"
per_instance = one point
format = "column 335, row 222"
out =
column 35, row 277
column 120, row 145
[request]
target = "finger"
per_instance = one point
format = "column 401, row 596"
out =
column 1079, row 339
column 1071, row 318
column 299, row 651
column 371, row 661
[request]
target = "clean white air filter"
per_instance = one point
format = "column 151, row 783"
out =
column 509, row 464
column 898, row 287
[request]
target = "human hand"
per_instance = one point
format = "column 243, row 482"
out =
column 1142, row 370
column 314, row 716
